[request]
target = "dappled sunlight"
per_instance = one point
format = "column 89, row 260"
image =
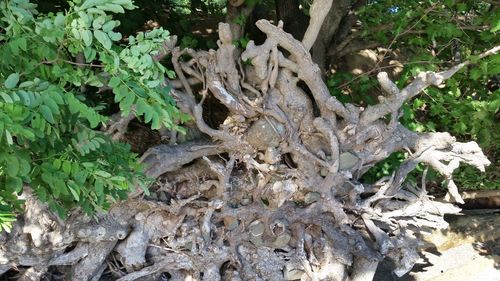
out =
column 468, row 250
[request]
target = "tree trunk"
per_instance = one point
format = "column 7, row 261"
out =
column 330, row 26
column 294, row 19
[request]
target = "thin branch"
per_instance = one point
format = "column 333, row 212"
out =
column 73, row 63
column 422, row 81
column 406, row 31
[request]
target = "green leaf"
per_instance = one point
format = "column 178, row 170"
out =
column 60, row 211
column 127, row 102
column 121, row 92
column 26, row 84
column 109, row 26
column 155, row 125
column 81, row 177
column 99, row 188
column 103, row 174
column 59, row 19
column 48, row 101
column 57, row 163
column 88, row 3
column 6, row 97
column 87, row 37
column 114, row 82
column 496, row 27
column 13, row 183
column 112, row 8
column 115, row 36
column 24, row 167
column 74, row 192
column 11, row 81
column 475, row 73
column 153, row 84
column 98, row 22
column 47, row 114
column 90, row 54
column 8, row 136
column 103, row 39
column 66, row 167
column 61, row 186
column 94, row 120
column 25, row 97
column 148, row 115
column 76, row 33
column 118, row 179
column 142, row 107
column 7, row 226
column 12, row 167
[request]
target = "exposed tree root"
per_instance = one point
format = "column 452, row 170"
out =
column 272, row 194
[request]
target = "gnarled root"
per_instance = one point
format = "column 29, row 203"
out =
column 274, row 194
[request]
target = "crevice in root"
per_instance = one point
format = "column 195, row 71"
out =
column 214, row 112
column 315, row 108
column 141, row 137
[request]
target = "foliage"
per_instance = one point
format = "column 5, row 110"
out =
column 48, row 115
column 432, row 35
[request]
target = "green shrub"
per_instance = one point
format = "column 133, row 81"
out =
column 49, row 119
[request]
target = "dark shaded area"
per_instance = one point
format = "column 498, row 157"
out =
column 141, row 137
column 295, row 21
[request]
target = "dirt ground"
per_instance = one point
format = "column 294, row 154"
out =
column 468, row 251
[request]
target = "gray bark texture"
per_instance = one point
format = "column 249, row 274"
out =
column 272, row 193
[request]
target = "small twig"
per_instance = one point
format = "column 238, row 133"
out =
column 424, row 176
column 403, row 33
column 73, row 63
column 381, row 68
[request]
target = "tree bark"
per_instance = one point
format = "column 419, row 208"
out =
column 294, row 19
column 330, row 26
column 274, row 192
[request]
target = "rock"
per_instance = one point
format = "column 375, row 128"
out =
column 282, row 240
column 256, row 228
column 347, row 161
column 262, row 134
column 311, row 197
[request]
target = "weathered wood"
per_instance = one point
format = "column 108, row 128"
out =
column 291, row 201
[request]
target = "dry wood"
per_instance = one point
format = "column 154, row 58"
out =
column 273, row 193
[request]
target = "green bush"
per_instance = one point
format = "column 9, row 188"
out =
column 49, row 117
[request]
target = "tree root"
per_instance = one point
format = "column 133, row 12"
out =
column 273, row 195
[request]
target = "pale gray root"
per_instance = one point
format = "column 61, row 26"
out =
column 329, row 30
column 90, row 265
column 3, row 269
column 34, row 273
column 165, row 158
column 168, row 262
column 318, row 11
column 118, row 124
column 79, row 252
column 274, row 192
column 99, row 272
column 147, row 225
column 363, row 269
